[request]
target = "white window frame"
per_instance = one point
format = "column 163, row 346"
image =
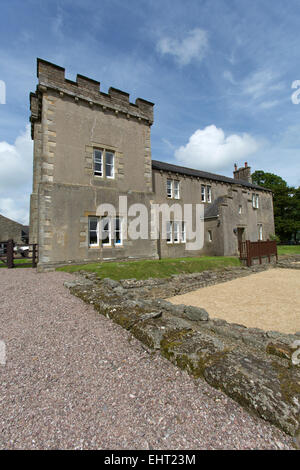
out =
column 112, row 165
column 109, row 231
column 176, row 237
column 170, row 232
column 120, row 243
column 240, row 209
column 203, row 193
column 210, row 236
column 208, row 193
column 183, row 232
column 169, row 188
column 98, row 160
column 176, row 189
column 97, row 230
column 255, row 201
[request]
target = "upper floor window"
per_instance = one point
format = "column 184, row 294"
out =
column 169, row 188
column 240, row 209
column 173, row 190
column 98, row 162
column 203, row 193
column 109, row 164
column 208, row 193
column 176, row 190
column 104, row 159
column 255, row 201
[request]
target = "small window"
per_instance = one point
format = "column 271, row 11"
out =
column 183, row 232
column 170, row 188
column 255, row 201
column 98, row 158
column 106, row 231
column 176, row 232
column 169, row 232
column 260, row 231
column 240, row 209
column 176, row 190
column 93, row 231
column 208, row 193
column 209, row 233
column 109, row 164
column 203, row 198
column 118, row 231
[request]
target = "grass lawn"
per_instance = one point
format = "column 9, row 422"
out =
column 288, row 249
column 18, row 263
column 154, row 268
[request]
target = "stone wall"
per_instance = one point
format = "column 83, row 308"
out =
column 9, row 229
column 252, row 366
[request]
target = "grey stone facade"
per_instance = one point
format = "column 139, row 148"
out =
column 9, row 229
column 70, row 121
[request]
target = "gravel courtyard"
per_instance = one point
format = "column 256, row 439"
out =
column 75, row 380
column 269, row 300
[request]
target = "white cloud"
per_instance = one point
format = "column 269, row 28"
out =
column 16, row 177
column 209, row 149
column 192, row 47
column 260, row 83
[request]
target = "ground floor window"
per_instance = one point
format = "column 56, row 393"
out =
column 176, row 232
column 105, row 231
column 209, row 236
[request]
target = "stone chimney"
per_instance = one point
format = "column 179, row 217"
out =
column 243, row 173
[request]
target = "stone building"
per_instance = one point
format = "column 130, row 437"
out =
column 9, row 229
column 90, row 148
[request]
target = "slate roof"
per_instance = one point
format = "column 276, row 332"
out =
column 156, row 165
column 212, row 210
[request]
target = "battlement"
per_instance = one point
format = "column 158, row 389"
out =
column 53, row 76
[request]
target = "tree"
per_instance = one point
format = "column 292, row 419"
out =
column 286, row 204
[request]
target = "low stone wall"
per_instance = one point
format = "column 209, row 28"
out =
column 252, row 366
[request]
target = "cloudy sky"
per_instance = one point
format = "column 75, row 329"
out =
column 220, row 73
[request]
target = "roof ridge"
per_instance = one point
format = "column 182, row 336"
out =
column 156, row 164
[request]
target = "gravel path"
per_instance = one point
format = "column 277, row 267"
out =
column 269, row 300
column 73, row 379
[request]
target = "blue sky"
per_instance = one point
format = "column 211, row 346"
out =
column 220, row 74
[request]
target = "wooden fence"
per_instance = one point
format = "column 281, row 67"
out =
column 9, row 255
column 257, row 250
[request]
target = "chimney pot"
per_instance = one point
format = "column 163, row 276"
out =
column 246, row 164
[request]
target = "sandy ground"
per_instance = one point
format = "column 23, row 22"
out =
column 75, row 380
column 269, row 300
